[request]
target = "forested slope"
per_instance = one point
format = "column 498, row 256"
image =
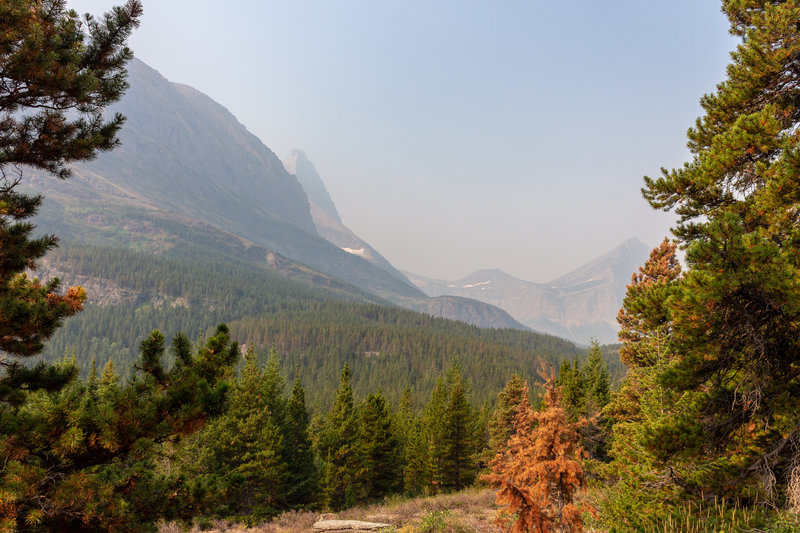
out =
column 316, row 331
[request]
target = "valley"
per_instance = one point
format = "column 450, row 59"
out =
column 192, row 338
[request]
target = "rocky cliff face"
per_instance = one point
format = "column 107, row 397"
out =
column 298, row 164
column 187, row 153
column 326, row 219
column 579, row 305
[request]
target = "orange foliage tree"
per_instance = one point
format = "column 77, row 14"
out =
column 539, row 472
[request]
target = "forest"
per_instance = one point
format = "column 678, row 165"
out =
column 339, row 400
column 314, row 333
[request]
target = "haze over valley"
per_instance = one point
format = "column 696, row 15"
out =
column 185, row 157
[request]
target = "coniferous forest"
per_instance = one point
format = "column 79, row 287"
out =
column 221, row 389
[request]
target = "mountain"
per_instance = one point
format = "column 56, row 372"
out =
column 315, row 330
column 580, row 305
column 183, row 153
column 467, row 310
column 186, row 153
column 298, row 164
column 326, row 219
column 329, row 226
column 186, row 162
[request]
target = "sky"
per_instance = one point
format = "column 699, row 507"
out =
column 457, row 135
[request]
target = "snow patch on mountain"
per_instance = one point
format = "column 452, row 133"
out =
column 471, row 285
column 361, row 252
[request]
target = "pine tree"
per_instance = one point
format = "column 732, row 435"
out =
column 240, row 453
column 645, row 325
column 301, row 471
column 573, row 384
column 501, row 425
column 644, row 318
column 59, row 72
column 735, row 329
column 597, row 378
column 597, row 394
column 339, row 445
column 57, row 76
column 538, row 474
column 82, row 458
column 641, row 488
column 434, row 430
column 402, row 421
column 380, row 448
column 460, row 446
column 449, row 425
column 415, row 472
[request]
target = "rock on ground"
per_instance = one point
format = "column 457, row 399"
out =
column 347, row 526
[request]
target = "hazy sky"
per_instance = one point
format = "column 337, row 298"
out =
column 458, row 135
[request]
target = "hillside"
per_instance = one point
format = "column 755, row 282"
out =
column 315, row 330
column 186, row 161
column 182, row 153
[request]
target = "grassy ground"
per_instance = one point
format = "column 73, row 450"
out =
column 471, row 511
column 474, row 511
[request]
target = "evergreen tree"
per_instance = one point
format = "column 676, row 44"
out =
column 301, row 472
column 460, row 447
column 539, row 472
column 109, row 378
column 736, row 318
column 573, row 384
column 59, row 72
column 434, row 428
column 415, row 471
column 642, row 489
column 483, row 454
column 57, row 76
column 501, row 424
column 239, row 453
column 597, row 379
column 409, row 434
column 339, row 445
column 403, row 419
column 82, row 458
column 644, row 318
column 380, row 448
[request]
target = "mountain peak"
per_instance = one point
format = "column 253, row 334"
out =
column 293, row 158
column 188, row 154
column 580, row 305
column 635, row 244
column 487, row 274
column 297, row 163
column 616, row 264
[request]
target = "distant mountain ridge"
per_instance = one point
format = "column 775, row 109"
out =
column 467, row 310
column 580, row 305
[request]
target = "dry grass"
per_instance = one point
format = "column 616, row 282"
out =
column 470, row 511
